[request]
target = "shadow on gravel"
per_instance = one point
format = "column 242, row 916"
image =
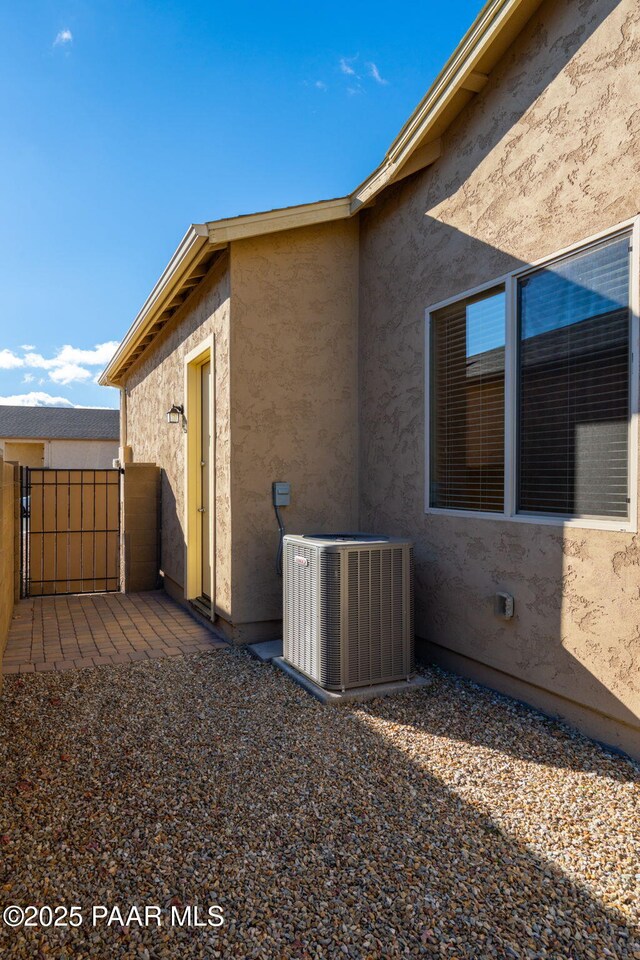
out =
column 474, row 887
column 531, row 736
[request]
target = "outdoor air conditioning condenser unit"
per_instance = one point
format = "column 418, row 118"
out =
column 348, row 609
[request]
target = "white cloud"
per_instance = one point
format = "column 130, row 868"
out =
column 375, row 73
column 97, row 357
column 9, row 360
column 27, row 346
column 345, row 66
column 69, row 373
column 63, row 37
column 320, row 85
column 68, row 365
column 36, row 398
column 37, row 360
column 28, row 378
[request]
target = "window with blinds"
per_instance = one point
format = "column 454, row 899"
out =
column 573, row 385
column 467, row 403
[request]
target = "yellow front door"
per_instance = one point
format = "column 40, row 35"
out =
column 206, row 518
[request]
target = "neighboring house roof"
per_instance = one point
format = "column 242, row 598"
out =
column 417, row 146
column 59, row 423
column 601, row 334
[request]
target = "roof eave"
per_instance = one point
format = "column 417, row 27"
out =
column 205, row 238
column 463, row 75
column 196, row 237
column 274, row 221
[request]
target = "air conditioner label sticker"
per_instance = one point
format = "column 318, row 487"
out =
column 301, row 561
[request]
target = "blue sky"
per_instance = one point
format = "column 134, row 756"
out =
column 125, row 121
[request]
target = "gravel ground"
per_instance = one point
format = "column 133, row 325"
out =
column 449, row 823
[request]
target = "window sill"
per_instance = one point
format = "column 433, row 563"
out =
column 581, row 523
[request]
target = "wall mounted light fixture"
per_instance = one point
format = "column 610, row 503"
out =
column 175, row 414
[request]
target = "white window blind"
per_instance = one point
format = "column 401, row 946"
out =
column 573, row 385
column 467, row 403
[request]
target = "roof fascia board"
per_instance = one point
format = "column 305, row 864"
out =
column 274, row 221
column 215, row 236
column 460, row 65
column 460, row 73
column 196, row 237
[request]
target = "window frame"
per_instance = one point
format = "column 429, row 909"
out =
column 630, row 228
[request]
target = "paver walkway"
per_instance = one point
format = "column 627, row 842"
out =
column 71, row 632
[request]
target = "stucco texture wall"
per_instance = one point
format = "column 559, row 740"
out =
column 294, row 397
column 153, row 385
column 26, row 454
column 546, row 156
column 86, row 454
column 81, row 454
column 9, row 545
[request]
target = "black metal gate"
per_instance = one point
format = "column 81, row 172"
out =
column 70, row 536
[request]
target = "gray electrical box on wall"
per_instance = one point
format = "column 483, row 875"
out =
column 281, row 494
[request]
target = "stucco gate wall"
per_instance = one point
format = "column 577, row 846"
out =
column 153, row 385
column 546, row 156
column 294, row 402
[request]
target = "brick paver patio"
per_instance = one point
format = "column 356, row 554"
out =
column 68, row 633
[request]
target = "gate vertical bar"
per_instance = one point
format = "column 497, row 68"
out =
column 68, row 552
column 94, row 540
column 27, row 535
column 22, row 532
column 43, row 528
column 27, row 529
column 106, row 526
column 56, row 533
column 118, row 554
column 25, row 514
column 81, row 524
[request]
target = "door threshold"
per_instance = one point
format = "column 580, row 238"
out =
column 200, row 610
column 203, row 606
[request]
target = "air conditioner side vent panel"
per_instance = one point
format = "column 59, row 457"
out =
column 330, row 590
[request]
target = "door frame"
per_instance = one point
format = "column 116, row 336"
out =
column 193, row 363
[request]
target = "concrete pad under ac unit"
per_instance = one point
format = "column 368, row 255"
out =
column 336, row 698
column 267, row 650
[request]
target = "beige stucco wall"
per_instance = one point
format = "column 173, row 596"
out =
column 153, row 385
column 294, row 398
column 140, row 527
column 87, row 454
column 27, row 454
column 9, row 546
column 285, row 310
column 546, row 156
